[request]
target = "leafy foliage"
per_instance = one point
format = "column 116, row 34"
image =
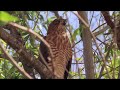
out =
column 6, row 17
column 38, row 21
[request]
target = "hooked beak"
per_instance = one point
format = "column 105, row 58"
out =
column 64, row 21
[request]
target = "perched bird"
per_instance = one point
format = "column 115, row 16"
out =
column 61, row 48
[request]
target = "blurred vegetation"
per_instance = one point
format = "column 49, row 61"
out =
column 39, row 21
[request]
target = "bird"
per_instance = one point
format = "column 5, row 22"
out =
column 61, row 48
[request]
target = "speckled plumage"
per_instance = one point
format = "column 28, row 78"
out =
column 61, row 48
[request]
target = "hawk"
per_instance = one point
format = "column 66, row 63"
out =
column 61, row 48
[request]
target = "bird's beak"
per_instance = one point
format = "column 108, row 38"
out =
column 65, row 21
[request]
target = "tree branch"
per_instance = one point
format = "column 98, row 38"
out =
column 14, row 32
column 108, row 19
column 37, row 36
column 94, row 38
column 82, row 20
column 56, row 13
column 101, row 31
column 87, row 44
column 40, row 68
column 21, row 70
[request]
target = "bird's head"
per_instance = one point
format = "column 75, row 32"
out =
column 58, row 25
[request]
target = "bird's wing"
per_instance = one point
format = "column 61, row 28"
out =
column 68, row 67
column 44, row 51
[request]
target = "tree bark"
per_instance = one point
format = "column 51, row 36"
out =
column 30, row 59
column 87, row 48
column 14, row 32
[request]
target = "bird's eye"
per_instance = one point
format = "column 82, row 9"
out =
column 57, row 22
column 64, row 22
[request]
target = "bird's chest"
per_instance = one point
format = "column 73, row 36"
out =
column 60, row 42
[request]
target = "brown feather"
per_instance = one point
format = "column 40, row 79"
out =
column 61, row 48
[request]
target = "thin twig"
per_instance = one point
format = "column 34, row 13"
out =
column 99, row 27
column 56, row 13
column 103, row 58
column 104, row 29
column 15, row 63
column 77, row 66
column 106, row 58
column 108, row 19
column 70, row 31
column 91, row 18
column 109, row 71
column 81, row 19
column 36, row 21
column 31, row 32
column 101, row 31
column 74, row 44
column 43, row 59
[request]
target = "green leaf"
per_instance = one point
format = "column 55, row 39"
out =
column 32, row 41
column 118, row 61
column 111, row 51
column 49, row 20
column 33, row 15
column 106, row 48
column 76, row 32
column 78, row 59
column 81, row 30
column 6, row 17
column 26, row 37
